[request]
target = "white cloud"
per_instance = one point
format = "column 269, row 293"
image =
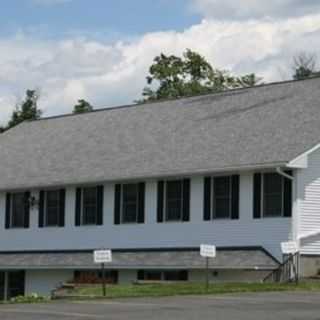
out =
column 113, row 74
column 252, row 9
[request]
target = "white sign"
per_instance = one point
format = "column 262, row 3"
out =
column 208, row 251
column 102, row 256
column 290, row 247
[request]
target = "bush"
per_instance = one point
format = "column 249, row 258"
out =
column 32, row 298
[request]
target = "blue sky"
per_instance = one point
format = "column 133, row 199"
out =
column 101, row 50
column 108, row 18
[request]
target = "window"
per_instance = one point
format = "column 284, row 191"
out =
column 130, row 203
column 221, row 197
column 52, row 208
column 2, row 285
column 89, row 206
column 176, row 275
column 158, row 275
column 272, row 195
column 95, row 276
column 18, row 210
column 16, row 284
column 173, row 202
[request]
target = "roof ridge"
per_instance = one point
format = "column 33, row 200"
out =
column 133, row 105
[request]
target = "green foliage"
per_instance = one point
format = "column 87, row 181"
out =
column 190, row 75
column 304, row 66
column 82, row 106
column 26, row 110
column 32, row 298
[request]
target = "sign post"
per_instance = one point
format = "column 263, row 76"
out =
column 207, row 251
column 102, row 256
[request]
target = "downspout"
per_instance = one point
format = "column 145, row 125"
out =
column 294, row 227
column 295, row 233
column 282, row 173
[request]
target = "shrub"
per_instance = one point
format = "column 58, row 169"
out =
column 32, row 298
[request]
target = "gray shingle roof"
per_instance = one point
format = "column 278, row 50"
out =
column 231, row 259
column 248, row 127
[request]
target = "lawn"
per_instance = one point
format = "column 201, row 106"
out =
column 157, row 290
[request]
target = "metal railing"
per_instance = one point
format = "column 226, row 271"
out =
column 288, row 271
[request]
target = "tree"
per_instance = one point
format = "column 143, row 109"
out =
column 25, row 110
column 82, row 106
column 304, row 66
column 190, row 75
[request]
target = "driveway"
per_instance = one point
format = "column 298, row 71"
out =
column 260, row 306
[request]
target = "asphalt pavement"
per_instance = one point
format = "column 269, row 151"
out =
column 261, row 306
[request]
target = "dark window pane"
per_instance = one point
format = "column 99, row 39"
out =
column 152, row 275
column 2, row 277
column 95, row 276
column 16, row 283
column 129, row 203
column 174, row 189
column 52, row 208
column 221, row 197
column 222, row 208
column 179, row 275
column 52, row 216
column 89, row 208
column 52, row 198
column 173, row 200
column 272, row 198
column 89, row 215
column 90, row 195
column 272, row 183
column 222, row 186
column 18, row 210
column 174, row 209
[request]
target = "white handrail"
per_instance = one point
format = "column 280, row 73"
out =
column 309, row 234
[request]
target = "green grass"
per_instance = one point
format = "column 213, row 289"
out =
column 157, row 290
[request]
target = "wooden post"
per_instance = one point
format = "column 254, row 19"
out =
column 207, row 274
column 103, row 279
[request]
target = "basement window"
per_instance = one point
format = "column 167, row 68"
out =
column 162, row 275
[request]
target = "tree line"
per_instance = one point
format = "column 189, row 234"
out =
column 174, row 77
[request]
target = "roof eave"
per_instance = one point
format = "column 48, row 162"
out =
column 158, row 175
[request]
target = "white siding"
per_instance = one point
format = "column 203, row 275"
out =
column 243, row 232
column 309, row 203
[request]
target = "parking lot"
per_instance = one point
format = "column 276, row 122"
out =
column 245, row 306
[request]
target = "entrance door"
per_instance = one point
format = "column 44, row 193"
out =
column 2, row 285
column 16, row 283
